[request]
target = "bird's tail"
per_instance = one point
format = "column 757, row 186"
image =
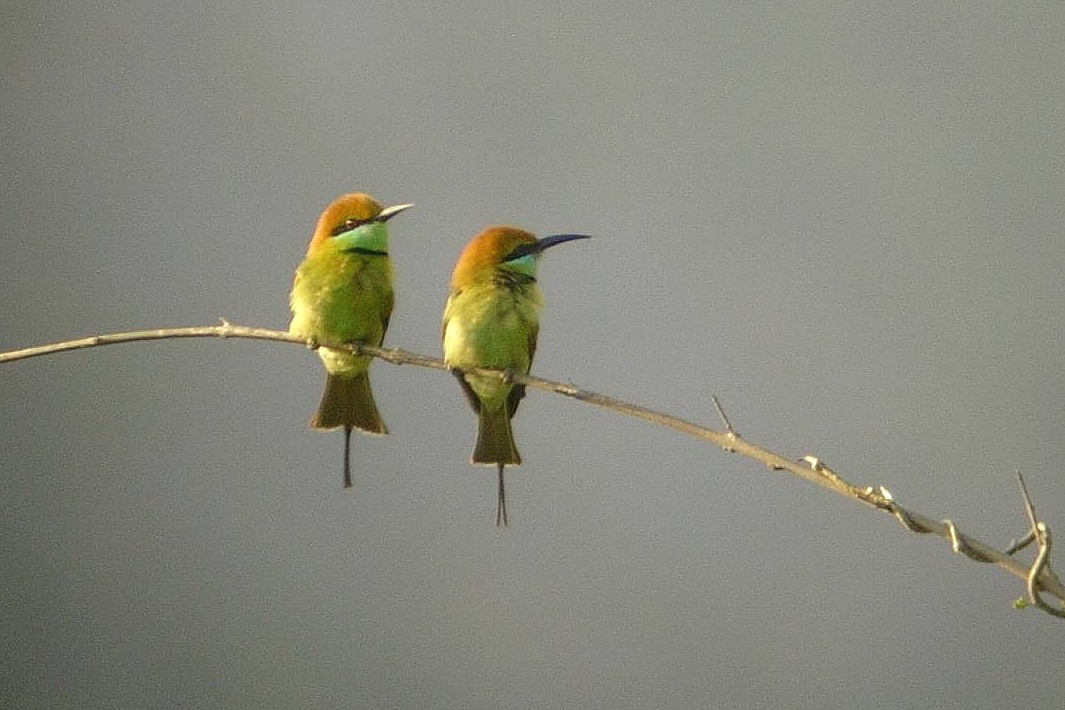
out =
column 495, row 440
column 348, row 402
column 495, row 445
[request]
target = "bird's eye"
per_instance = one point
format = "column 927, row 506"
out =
column 346, row 226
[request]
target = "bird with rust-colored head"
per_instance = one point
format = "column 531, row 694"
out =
column 343, row 294
column 491, row 321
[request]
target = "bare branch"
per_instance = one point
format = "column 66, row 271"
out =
column 1039, row 577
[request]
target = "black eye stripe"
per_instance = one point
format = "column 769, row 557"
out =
column 351, row 223
column 347, row 225
column 523, row 250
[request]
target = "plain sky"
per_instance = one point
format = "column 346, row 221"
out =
column 843, row 219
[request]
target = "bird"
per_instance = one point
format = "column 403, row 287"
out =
column 492, row 320
column 342, row 293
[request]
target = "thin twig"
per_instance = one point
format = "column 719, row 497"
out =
column 730, row 431
column 1039, row 577
column 724, row 417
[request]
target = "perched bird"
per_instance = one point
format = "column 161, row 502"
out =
column 343, row 294
column 491, row 320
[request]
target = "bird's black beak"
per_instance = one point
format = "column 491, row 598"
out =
column 548, row 242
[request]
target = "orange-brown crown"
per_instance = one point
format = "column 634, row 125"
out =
column 486, row 251
column 354, row 206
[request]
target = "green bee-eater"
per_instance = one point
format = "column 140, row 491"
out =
column 491, row 320
column 343, row 294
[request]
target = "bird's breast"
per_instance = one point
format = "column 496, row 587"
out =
column 491, row 327
column 343, row 297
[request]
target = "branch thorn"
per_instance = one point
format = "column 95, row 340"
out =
column 1041, row 535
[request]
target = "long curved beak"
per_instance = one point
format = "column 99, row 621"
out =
column 389, row 212
column 548, row 242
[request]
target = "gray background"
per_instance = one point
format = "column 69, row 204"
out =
column 843, row 219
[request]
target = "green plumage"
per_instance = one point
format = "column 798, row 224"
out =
column 343, row 297
column 493, row 325
column 491, row 321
